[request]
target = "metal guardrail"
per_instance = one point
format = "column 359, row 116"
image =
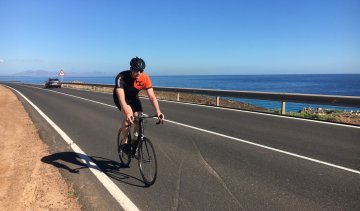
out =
column 335, row 100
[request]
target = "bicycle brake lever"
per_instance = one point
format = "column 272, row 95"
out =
column 160, row 121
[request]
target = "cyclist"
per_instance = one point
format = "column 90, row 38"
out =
column 128, row 84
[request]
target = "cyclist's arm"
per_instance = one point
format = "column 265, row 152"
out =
column 121, row 95
column 154, row 101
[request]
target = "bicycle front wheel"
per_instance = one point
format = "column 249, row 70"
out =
column 147, row 161
column 125, row 157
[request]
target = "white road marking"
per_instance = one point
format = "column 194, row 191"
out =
column 237, row 139
column 113, row 189
column 269, row 148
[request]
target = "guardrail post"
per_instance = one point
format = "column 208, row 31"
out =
column 283, row 110
column 178, row 96
column 217, row 100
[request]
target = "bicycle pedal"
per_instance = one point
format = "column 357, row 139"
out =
column 126, row 148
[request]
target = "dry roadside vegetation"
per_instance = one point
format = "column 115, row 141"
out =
column 26, row 183
column 338, row 116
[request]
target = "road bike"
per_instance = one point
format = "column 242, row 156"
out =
column 141, row 149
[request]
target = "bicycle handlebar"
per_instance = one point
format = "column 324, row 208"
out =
column 149, row 116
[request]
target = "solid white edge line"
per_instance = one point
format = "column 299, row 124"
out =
column 113, row 189
column 241, row 140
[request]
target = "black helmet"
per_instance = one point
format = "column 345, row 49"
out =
column 137, row 64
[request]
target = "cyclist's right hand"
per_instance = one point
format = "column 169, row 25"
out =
column 130, row 118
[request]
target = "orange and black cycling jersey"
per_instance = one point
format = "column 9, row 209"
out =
column 132, row 86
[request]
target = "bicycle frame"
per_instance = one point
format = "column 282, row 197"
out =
column 141, row 131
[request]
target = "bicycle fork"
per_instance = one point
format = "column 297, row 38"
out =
column 136, row 145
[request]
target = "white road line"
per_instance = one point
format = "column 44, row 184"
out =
column 113, row 189
column 269, row 148
column 240, row 140
column 93, row 101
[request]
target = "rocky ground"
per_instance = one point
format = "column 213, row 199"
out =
column 26, row 183
column 331, row 115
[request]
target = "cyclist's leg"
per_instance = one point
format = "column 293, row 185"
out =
column 125, row 124
column 137, row 108
column 125, row 127
column 136, row 122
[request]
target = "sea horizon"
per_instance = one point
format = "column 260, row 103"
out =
column 323, row 84
column 112, row 74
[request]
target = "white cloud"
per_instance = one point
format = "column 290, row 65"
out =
column 1, row 61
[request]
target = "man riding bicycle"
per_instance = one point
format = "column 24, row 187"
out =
column 128, row 84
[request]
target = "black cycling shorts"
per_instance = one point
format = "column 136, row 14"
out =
column 134, row 102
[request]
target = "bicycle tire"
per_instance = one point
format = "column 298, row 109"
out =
column 125, row 158
column 147, row 161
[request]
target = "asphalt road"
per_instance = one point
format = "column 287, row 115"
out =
column 200, row 170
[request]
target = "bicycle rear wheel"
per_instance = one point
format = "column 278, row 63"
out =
column 147, row 161
column 125, row 157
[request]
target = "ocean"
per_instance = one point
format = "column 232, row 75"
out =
column 327, row 84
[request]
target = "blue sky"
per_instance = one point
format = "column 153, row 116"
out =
column 181, row 37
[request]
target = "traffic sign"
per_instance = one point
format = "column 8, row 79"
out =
column 61, row 73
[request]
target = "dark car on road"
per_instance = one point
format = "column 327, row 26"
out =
column 53, row 82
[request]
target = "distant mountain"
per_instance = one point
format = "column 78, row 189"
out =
column 35, row 73
column 44, row 73
column 89, row 74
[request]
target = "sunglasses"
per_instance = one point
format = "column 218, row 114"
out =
column 134, row 70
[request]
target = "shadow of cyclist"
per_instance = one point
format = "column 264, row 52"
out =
column 60, row 160
column 73, row 162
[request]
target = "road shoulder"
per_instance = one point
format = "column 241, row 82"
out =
column 26, row 182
